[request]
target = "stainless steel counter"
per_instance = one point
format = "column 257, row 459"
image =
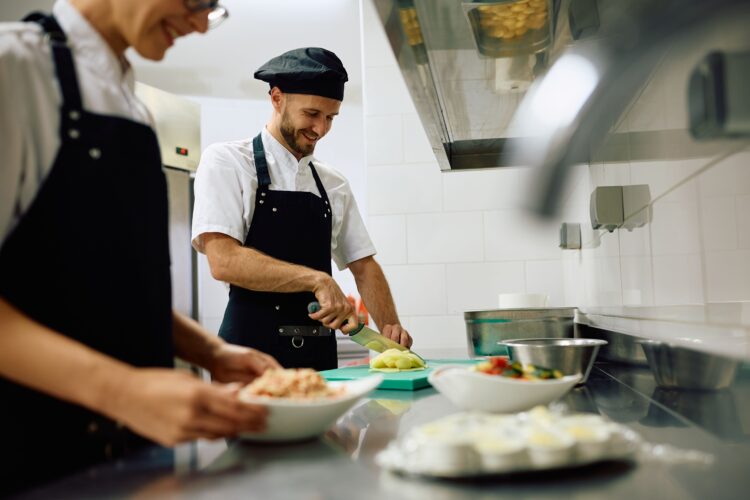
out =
column 340, row 464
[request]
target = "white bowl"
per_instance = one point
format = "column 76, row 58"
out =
column 298, row 419
column 472, row 390
column 521, row 300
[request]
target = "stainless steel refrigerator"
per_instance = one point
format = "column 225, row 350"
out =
column 177, row 122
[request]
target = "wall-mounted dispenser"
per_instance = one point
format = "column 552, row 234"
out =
column 719, row 101
column 636, row 206
column 620, row 206
column 605, row 208
column 570, row 236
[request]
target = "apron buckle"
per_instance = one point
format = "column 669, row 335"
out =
column 296, row 339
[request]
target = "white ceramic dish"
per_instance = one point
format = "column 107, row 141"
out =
column 479, row 444
column 298, row 419
column 476, row 391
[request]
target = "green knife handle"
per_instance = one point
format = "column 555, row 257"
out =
column 314, row 307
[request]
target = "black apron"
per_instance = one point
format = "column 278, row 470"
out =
column 90, row 260
column 294, row 227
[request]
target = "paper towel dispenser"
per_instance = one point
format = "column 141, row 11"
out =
column 613, row 207
column 719, row 99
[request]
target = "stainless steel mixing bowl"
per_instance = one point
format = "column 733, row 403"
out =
column 570, row 356
column 683, row 368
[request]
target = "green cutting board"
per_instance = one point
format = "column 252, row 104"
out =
column 405, row 381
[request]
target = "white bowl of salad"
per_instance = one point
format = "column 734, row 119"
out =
column 500, row 386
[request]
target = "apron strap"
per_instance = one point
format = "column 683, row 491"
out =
column 261, row 167
column 264, row 177
column 318, row 183
column 64, row 67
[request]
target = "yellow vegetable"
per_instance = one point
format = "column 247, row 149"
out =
column 395, row 360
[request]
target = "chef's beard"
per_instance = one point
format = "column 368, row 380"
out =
column 289, row 133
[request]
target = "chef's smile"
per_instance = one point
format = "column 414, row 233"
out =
column 170, row 33
column 313, row 138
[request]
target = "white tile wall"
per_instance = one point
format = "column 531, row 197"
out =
column 676, row 225
column 404, row 189
column 418, row 289
column 546, row 276
column 388, row 233
column 728, row 276
column 445, row 237
column 697, row 248
column 637, row 281
column 730, row 176
column 385, row 91
column 438, row 331
column 482, row 190
column 677, row 279
column 574, row 286
column 417, row 148
column 517, row 235
column 384, row 140
column 719, row 221
column 602, row 278
column 663, row 176
column 473, row 287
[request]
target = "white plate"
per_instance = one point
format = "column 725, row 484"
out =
column 457, row 446
column 298, row 419
column 477, row 391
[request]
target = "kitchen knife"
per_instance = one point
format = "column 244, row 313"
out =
column 368, row 337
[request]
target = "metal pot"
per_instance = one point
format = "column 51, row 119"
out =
column 485, row 329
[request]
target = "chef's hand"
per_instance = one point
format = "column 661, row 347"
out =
column 335, row 311
column 397, row 334
column 170, row 407
column 235, row 363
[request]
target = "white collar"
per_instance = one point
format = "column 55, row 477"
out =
column 88, row 46
column 284, row 158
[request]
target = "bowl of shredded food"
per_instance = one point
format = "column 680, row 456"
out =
column 301, row 404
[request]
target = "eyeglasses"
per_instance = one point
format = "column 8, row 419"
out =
column 217, row 12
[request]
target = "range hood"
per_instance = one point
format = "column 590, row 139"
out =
column 550, row 96
column 468, row 65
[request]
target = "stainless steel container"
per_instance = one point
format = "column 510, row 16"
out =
column 485, row 329
column 507, row 28
column 570, row 356
column 620, row 348
column 682, row 368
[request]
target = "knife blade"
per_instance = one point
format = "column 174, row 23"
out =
column 367, row 337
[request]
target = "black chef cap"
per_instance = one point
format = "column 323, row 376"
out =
column 309, row 70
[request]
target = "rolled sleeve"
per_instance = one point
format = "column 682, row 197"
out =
column 219, row 205
column 350, row 240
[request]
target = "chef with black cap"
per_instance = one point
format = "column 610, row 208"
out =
column 270, row 217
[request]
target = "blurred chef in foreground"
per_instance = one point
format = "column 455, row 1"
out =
column 87, row 331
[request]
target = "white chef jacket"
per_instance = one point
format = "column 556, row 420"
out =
column 225, row 186
column 30, row 99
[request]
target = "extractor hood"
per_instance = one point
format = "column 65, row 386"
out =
column 468, row 65
column 539, row 82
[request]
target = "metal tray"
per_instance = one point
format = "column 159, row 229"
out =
column 509, row 28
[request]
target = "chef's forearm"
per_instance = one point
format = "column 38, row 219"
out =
column 248, row 268
column 192, row 342
column 42, row 359
column 375, row 292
